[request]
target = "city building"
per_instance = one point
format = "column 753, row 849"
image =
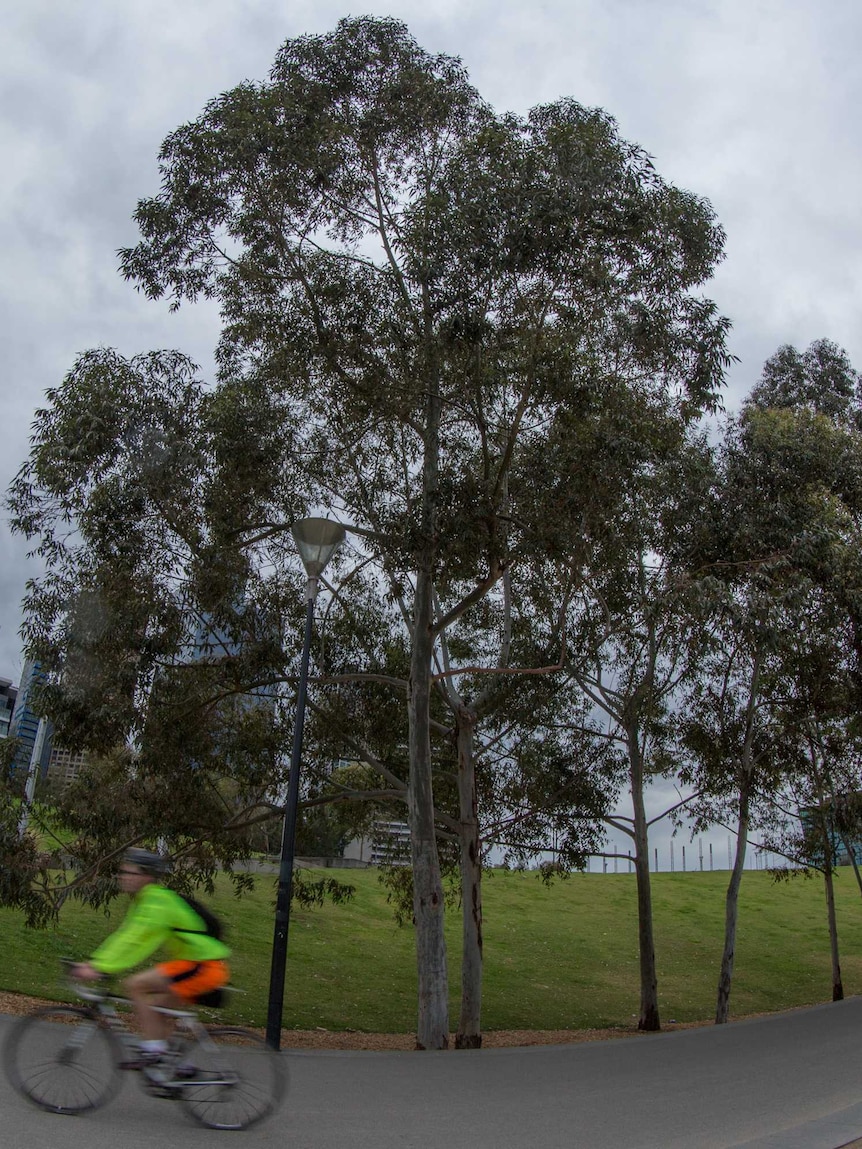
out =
column 65, row 765
column 389, row 842
column 17, row 720
column 844, row 842
column 8, row 694
column 25, row 722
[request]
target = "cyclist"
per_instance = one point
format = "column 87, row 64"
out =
column 158, row 917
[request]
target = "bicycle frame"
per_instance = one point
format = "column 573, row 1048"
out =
column 103, row 1004
column 104, row 1011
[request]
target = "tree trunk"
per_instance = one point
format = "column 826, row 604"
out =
column 433, row 983
column 828, row 871
column 837, row 986
column 731, row 907
column 825, row 807
column 746, row 785
column 469, row 1035
column 649, row 1016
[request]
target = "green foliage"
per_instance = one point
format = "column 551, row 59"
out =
column 820, row 379
column 21, row 865
column 476, row 338
column 769, row 723
column 309, row 892
column 319, row 834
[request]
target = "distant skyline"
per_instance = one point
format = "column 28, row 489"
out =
column 751, row 103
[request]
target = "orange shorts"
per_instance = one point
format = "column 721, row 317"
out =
column 193, row 979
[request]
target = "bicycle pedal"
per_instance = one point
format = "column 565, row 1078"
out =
column 156, row 1074
column 140, row 1061
column 165, row 1092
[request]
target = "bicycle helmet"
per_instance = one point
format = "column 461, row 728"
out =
column 147, row 861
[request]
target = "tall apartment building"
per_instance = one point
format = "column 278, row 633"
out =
column 8, row 694
column 390, row 842
column 56, row 761
column 25, row 722
column 64, row 765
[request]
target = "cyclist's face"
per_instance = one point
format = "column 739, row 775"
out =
column 132, row 878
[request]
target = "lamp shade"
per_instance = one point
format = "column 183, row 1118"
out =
column 317, row 540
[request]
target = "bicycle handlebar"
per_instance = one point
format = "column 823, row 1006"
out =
column 84, row 992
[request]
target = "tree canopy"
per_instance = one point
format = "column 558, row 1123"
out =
column 452, row 329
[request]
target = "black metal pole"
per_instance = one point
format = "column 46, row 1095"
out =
column 288, row 841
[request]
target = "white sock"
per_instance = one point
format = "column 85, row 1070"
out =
column 154, row 1045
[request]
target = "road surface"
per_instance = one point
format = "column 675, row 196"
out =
column 789, row 1081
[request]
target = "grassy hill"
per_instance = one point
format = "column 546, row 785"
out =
column 563, row 957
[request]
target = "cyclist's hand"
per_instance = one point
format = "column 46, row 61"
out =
column 83, row 971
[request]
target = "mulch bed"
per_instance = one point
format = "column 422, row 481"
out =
column 17, row 1004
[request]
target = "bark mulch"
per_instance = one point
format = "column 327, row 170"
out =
column 17, row 1004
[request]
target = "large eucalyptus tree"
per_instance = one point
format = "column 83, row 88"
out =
column 781, row 533
column 414, row 289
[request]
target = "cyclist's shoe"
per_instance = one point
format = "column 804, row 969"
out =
column 157, row 1073
column 185, row 1072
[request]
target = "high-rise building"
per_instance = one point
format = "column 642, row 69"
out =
column 25, row 721
column 8, row 694
column 61, row 764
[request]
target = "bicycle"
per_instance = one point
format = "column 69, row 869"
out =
column 69, row 1059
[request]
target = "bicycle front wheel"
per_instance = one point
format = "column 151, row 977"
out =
column 63, row 1060
column 230, row 1078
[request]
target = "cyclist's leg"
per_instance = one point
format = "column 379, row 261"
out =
column 151, row 989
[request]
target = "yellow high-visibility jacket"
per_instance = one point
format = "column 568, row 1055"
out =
column 157, row 918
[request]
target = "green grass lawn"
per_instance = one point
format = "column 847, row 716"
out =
column 563, row 957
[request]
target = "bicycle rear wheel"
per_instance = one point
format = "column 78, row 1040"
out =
column 63, row 1060
column 230, row 1078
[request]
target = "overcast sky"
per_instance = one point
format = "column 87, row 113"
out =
column 754, row 104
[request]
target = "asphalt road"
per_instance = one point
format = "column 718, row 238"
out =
column 790, row 1081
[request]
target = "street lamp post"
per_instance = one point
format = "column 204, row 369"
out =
column 317, row 540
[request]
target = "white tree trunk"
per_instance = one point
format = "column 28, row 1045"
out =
column 433, row 981
column 731, row 909
column 469, row 1035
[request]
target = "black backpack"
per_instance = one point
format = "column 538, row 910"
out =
column 214, row 927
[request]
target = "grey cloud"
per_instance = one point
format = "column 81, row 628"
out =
column 752, row 105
